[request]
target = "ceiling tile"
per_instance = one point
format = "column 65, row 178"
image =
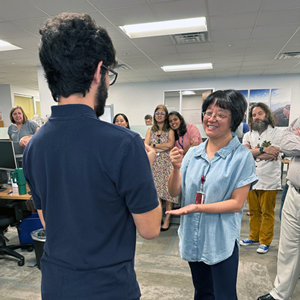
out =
column 179, row 9
column 54, row 7
column 22, row 10
column 30, row 25
column 280, row 17
column 233, row 21
column 225, row 7
column 130, row 15
column 111, row 4
column 10, row 30
column 228, row 35
column 279, row 4
column 275, row 31
column 186, row 48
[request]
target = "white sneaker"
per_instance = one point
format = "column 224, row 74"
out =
column 247, row 242
column 262, row 249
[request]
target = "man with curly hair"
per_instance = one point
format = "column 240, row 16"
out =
column 263, row 140
column 83, row 174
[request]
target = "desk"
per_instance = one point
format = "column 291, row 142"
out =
column 7, row 199
column 13, row 196
column 13, row 209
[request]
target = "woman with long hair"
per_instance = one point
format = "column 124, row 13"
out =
column 162, row 138
column 186, row 135
column 121, row 120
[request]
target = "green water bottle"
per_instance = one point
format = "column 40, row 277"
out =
column 19, row 178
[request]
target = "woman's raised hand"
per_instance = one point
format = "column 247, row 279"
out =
column 176, row 156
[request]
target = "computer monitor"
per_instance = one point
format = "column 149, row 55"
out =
column 18, row 149
column 7, row 156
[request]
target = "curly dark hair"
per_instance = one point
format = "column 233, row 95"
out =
column 182, row 128
column 72, row 45
column 229, row 99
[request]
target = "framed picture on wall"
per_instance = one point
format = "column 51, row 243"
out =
column 280, row 106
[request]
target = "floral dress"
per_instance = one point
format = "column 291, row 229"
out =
column 162, row 168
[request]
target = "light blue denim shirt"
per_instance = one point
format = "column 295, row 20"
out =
column 210, row 238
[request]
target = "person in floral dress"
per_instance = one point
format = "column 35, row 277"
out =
column 162, row 138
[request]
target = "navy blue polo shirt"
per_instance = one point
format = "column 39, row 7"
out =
column 88, row 176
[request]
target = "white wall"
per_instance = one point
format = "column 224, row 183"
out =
column 138, row 99
column 5, row 103
column 45, row 94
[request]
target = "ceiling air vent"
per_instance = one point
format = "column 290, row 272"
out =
column 190, row 38
column 122, row 67
column 286, row 55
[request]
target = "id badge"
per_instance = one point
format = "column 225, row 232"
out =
column 199, row 198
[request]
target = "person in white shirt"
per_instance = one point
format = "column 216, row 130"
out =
column 288, row 263
column 263, row 140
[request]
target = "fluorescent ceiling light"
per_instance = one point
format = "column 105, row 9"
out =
column 187, row 67
column 5, row 46
column 187, row 93
column 165, row 27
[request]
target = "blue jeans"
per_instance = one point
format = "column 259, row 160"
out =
column 216, row 282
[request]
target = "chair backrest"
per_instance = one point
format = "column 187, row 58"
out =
column 5, row 221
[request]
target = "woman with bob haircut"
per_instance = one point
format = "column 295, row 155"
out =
column 161, row 138
column 21, row 130
column 213, row 180
column 186, row 136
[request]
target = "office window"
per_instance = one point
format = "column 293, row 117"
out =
column 27, row 104
column 38, row 108
column 187, row 102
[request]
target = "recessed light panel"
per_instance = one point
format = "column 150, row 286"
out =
column 165, row 27
column 188, row 93
column 193, row 67
column 5, row 46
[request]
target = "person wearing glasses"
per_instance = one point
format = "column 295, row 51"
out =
column 213, row 179
column 121, row 120
column 162, row 138
column 186, row 136
column 83, row 174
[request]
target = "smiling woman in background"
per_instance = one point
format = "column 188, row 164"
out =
column 161, row 138
column 186, row 136
column 121, row 120
column 21, row 130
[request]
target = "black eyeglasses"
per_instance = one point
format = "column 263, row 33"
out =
column 111, row 74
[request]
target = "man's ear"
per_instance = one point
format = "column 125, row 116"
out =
column 97, row 75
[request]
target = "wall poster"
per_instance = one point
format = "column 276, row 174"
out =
column 278, row 100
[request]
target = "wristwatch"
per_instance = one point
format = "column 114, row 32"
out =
column 154, row 145
column 261, row 150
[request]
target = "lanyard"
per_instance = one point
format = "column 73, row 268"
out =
column 181, row 145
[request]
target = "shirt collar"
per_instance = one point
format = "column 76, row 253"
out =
column 223, row 152
column 71, row 110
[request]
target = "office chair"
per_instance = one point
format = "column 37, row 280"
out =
column 8, row 218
